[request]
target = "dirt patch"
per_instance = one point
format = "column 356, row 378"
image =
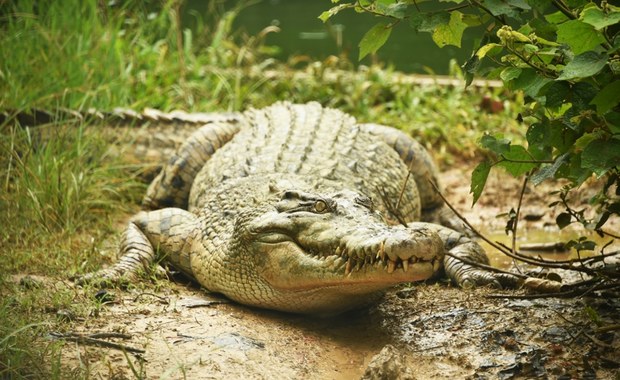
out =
column 226, row 340
column 424, row 331
column 435, row 332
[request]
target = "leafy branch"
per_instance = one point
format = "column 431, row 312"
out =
column 564, row 57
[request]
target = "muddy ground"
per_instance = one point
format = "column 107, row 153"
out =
column 422, row 331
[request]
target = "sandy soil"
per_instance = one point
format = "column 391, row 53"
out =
column 429, row 332
column 423, row 331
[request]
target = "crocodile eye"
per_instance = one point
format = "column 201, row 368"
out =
column 320, row 206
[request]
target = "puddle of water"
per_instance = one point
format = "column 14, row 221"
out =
column 539, row 236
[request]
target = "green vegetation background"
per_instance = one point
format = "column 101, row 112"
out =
column 62, row 196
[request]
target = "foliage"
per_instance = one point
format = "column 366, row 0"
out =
column 134, row 54
column 563, row 55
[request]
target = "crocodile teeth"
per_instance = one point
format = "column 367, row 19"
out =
column 405, row 265
column 381, row 251
column 436, row 264
column 347, row 269
column 391, row 265
column 359, row 265
column 338, row 251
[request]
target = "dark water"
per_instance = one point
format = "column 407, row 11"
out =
column 302, row 33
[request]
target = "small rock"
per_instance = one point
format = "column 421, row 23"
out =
column 65, row 315
column 104, row 296
column 29, row 282
column 555, row 334
column 406, row 293
column 389, row 364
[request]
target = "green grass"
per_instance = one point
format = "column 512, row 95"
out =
column 62, row 195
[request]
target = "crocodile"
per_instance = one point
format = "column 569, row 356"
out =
column 299, row 208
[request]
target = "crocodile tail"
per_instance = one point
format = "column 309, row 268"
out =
column 172, row 186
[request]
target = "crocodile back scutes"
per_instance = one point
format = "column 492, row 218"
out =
column 322, row 145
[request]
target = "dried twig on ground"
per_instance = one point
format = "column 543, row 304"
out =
column 93, row 340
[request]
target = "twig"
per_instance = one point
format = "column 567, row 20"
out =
column 546, row 247
column 609, row 234
column 464, row 220
column 613, row 327
column 485, row 266
column 109, row 335
column 545, row 263
column 163, row 300
column 479, row 5
column 391, row 209
column 566, row 264
column 89, row 340
column 402, row 191
column 516, row 222
column 564, row 9
column 566, row 294
column 598, row 342
column 499, row 246
column 559, row 314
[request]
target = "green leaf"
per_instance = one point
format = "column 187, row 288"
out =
column 540, row 5
column 333, row 11
column 396, row 10
column 374, row 39
column 607, row 98
column 537, row 140
column 543, row 29
column 510, row 73
column 560, row 137
column 424, row 22
column 484, row 50
column 510, row 8
column 563, row 220
column 472, row 20
column 517, row 153
column 585, row 139
column 576, row 173
column 549, row 171
column 530, row 81
column 498, row 146
column 601, row 155
column 598, row 19
column 579, row 36
column 470, row 68
column 451, row 33
column 582, row 94
column 555, row 93
column 613, row 122
column 556, row 18
column 584, row 65
column 478, row 179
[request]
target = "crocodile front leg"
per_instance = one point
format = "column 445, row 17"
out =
column 462, row 250
column 149, row 237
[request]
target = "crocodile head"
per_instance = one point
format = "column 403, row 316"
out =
column 326, row 254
